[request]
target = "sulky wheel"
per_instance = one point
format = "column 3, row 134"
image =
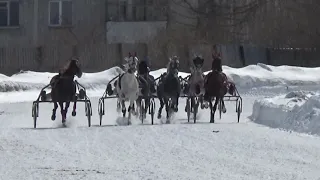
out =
column 88, row 111
column 101, row 109
column 35, row 113
column 82, row 94
column 152, row 109
column 239, row 110
column 195, row 109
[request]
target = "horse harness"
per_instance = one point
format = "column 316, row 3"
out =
column 120, row 77
column 58, row 78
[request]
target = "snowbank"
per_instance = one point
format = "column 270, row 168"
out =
column 247, row 77
column 297, row 111
column 266, row 75
column 29, row 80
column 158, row 73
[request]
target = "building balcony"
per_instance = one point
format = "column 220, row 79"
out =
column 134, row 23
column 133, row 32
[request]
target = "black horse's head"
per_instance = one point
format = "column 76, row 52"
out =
column 143, row 68
column 216, row 62
column 71, row 69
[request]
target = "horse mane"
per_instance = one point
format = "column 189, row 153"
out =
column 65, row 67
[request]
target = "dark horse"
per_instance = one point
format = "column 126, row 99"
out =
column 146, row 83
column 216, row 86
column 63, row 89
column 169, row 88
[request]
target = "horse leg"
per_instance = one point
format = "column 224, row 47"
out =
column 176, row 102
column 131, row 108
column 214, row 108
column 224, row 110
column 206, row 100
column 192, row 103
column 211, row 112
column 161, row 107
column 124, row 109
column 53, row 116
column 138, row 102
column 62, row 112
column 66, row 108
column 166, row 102
column 147, row 105
column 203, row 105
column 118, row 105
column 74, row 109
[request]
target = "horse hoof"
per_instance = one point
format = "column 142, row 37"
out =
column 53, row 117
column 159, row 116
column 74, row 113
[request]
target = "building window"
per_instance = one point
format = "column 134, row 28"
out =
column 9, row 13
column 123, row 8
column 60, row 13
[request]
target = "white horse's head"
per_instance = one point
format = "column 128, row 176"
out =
column 196, row 68
column 173, row 64
column 131, row 63
column 197, row 63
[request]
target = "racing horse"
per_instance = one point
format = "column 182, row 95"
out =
column 127, row 86
column 146, row 84
column 169, row 88
column 195, row 83
column 63, row 89
column 216, row 86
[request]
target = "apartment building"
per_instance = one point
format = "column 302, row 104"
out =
column 42, row 34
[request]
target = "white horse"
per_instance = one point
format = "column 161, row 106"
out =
column 196, row 81
column 128, row 86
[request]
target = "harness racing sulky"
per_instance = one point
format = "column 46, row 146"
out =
column 193, row 88
column 169, row 89
column 141, row 89
column 217, row 86
column 134, row 85
column 64, row 89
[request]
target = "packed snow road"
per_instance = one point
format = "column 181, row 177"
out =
column 225, row 150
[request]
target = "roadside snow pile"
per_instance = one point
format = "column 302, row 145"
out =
column 297, row 111
column 29, row 80
column 266, row 75
column 247, row 77
column 157, row 73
